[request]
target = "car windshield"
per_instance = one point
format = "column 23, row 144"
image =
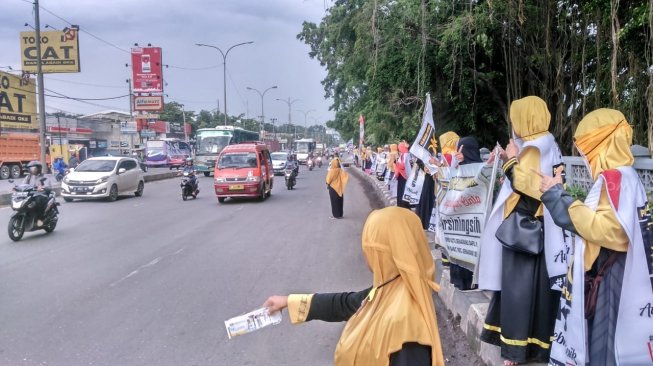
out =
column 237, row 160
column 279, row 156
column 96, row 166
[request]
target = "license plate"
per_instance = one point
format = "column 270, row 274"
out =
column 80, row 189
column 236, row 187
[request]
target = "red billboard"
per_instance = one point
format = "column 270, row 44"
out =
column 147, row 70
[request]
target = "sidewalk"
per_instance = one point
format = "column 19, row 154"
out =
column 469, row 307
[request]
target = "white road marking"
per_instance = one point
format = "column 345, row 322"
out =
column 149, row 264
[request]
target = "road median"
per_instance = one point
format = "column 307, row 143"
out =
column 5, row 197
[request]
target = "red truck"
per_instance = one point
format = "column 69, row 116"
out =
column 16, row 150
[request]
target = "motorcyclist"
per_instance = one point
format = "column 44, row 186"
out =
column 38, row 180
column 59, row 165
column 189, row 168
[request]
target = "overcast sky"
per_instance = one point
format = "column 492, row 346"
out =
column 275, row 58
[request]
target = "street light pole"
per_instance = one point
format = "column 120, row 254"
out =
column 224, row 62
column 290, row 103
column 41, row 87
column 262, row 95
column 305, row 123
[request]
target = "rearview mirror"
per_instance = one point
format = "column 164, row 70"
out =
column 121, row 170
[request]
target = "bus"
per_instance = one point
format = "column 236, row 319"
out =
column 302, row 148
column 169, row 153
column 210, row 142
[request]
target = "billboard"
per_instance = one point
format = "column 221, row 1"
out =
column 128, row 127
column 148, row 103
column 17, row 101
column 147, row 70
column 59, row 51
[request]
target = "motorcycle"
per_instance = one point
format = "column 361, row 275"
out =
column 319, row 161
column 188, row 189
column 24, row 218
column 290, row 178
column 309, row 164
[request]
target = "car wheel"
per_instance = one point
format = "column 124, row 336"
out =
column 207, row 174
column 5, row 173
column 261, row 195
column 139, row 190
column 221, row 199
column 67, row 199
column 15, row 171
column 113, row 193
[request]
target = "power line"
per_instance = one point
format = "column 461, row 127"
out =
column 86, row 84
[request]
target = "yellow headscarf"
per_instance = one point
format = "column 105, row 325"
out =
column 448, row 142
column 392, row 157
column 402, row 310
column 604, row 138
column 530, row 118
column 336, row 177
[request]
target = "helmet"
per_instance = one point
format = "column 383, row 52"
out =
column 34, row 164
column 189, row 160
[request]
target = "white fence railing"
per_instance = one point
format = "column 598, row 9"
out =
column 577, row 174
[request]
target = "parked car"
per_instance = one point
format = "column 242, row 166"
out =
column 103, row 177
column 279, row 161
column 244, row 170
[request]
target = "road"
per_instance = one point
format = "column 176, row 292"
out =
column 150, row 281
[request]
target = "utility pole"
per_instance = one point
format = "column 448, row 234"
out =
column 59, row 126
column 131, row 111
column 39, row 76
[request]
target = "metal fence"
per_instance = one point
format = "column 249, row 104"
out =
column 577, row 174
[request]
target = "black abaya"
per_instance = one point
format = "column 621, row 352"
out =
column 426, row 202
column 401, row 187
column 337, row 203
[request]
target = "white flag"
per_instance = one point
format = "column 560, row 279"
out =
column 420, row 147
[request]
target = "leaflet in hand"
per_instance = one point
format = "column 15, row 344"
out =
column 251, row 322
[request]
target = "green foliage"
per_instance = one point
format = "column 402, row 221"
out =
column 383, row 56
column 577, row 192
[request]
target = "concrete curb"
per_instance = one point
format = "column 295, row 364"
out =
column 468, row 306
column 5, row 198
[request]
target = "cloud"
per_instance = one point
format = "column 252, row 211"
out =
column 275, row 58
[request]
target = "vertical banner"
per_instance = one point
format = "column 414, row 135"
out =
column 361, row 139
column 17, row 102
column 147, row 69
column 426, row 137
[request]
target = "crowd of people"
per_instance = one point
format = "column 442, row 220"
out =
column 568, row 277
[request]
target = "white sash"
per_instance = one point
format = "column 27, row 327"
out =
column 634, row 330
column 556, row 250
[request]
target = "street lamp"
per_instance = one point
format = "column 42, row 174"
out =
column 262, row 95
column 305, row 116
column 290, row 103
column 224, row 62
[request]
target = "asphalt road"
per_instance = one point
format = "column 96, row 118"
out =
column 150, row 281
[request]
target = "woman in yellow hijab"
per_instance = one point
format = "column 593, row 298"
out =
column 449, row 145
column 336, row 181
column 603, row 137
column 393, row 322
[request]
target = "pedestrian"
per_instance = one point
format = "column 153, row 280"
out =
column 517, row 237
column 402, row 171
column 336, row 181
column 393, row 322
column 73, row 161
column 613, row 222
